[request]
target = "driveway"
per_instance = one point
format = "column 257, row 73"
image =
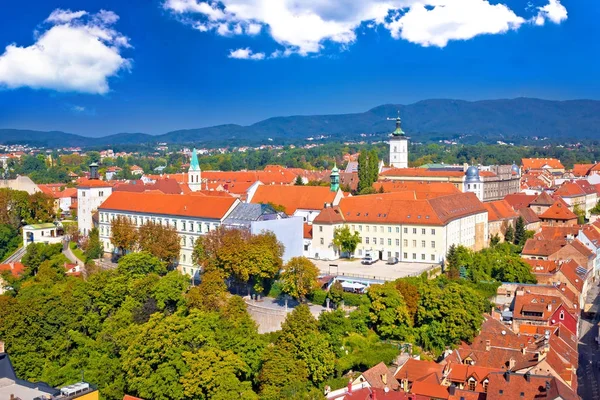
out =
column 378, row 271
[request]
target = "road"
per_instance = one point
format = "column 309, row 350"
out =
column 378, row 271
column 588, row 373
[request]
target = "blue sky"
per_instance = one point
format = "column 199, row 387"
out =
column 103, row 67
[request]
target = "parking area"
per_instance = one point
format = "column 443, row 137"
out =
column 378, row 271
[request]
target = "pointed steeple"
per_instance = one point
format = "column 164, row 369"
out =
column 335, row 178
column 398, row 131
column 194, row 165
column 194, row 173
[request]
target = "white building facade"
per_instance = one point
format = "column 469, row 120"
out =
column 192, row 216
column 417, row 240
column 91, row 193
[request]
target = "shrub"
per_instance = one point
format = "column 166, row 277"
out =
column 318, row 297
column 275, row 290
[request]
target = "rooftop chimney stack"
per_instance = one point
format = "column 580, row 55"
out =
column 1, row 347
column 488, row 345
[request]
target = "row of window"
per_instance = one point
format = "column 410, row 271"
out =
column 389, row 229
column 185, row 226
column 405, row 242
column 405, row 256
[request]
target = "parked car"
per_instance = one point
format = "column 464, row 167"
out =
column 368, row 260
column 392, row 260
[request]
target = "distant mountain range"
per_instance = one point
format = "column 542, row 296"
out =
column 427, row 120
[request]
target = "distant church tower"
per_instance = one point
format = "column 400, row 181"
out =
column 194, row 173
column 398, row 146
column 335, row 179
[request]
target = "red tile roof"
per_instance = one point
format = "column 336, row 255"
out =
column 90, row 183
column 541, row 247
column 504, row 386
column 558, row 211
column 500, row 210
column 186, row 205
column 519, row 200
column 535, row 303
column 376, row 376
column 543, row 199
column 543, row 266
column 539, row 163
column 570, row 189
column 294, row 197
column 416, row 369
column 557, row 232
column 15, row 268
column 529, row 215
column 582, row 169
column 395, row 208
column 416, row 186
column 330, row 215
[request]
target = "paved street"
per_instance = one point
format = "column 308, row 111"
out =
column 588, row 373
column 378, row 271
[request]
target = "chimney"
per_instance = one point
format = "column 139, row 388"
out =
column 384, row 379
column 507, row 375
column 511, row 365
column 527, row 377
column 349, row 390
column 1, row 347
column 488, row 345
column 549, row 307
column 524, row 350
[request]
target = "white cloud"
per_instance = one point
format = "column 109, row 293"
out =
column 304, row 26
column 76, row 52
column 78, row 109
column 554, row 11
column 62, row 16
column 246, row 54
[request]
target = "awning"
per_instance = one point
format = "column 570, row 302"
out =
column 352, row 285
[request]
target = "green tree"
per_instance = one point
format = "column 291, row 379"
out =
column 389, row 314
column 36, row 254
column 336, row 293
column 596, row 209
column 520, row 231
column 215, row 374
column 9, row 240
column 509, row 234
column 124, row 235
column 93, row 247
column 452, row 262
column 299, row 277
column 577, row 210
column 161, row 241
column 494, row 240
column 300, row 334
column 211, row 294
column 299, row 181
column 139, row 264
column 345, row 240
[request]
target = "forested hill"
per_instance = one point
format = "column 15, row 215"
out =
column 487, row 120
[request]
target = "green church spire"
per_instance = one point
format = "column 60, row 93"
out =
column 194, row 165
column 335, row 178
column 398, row 131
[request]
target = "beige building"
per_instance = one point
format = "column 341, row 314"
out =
column 400, row 225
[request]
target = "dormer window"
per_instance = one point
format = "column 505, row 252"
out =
column 472, row 384
column 562, row 315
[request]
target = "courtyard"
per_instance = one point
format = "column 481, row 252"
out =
column 379, row 271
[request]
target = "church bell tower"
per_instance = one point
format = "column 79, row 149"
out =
column 194, row 173
column 398, row 146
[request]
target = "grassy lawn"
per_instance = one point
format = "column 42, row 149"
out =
column 77, row 251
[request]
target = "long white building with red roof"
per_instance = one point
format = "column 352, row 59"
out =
column 405, row 226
